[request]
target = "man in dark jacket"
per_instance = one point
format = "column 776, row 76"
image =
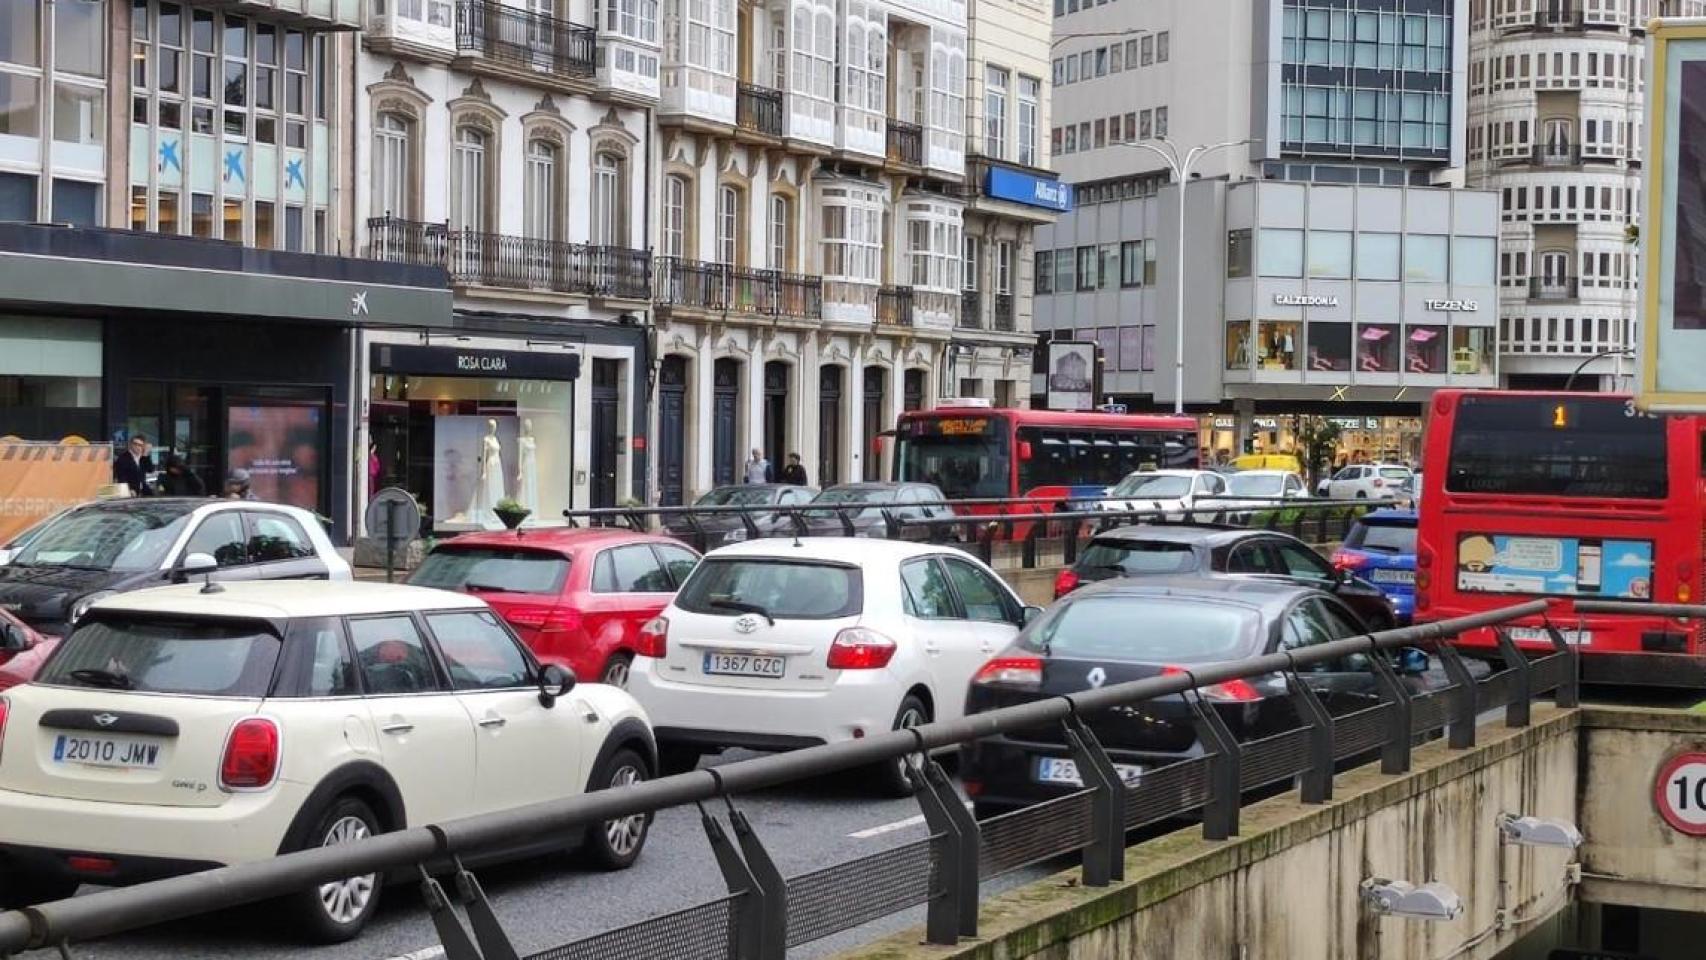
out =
column 794, row 472
column 178, row 481
column 133, row 465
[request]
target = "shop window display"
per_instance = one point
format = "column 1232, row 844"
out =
column 1424, row 349
column 460, row 445
column 1329, row 346
column 1277, row 343
column 1377, row 348
column 1238, row 345
column 1472, row 351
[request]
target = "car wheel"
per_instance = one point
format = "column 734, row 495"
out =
column 675, row 758
column 616, row 844
column 1362, row 494
column 616, row 670
column 19, row 888
column 336, row 912
column 896, row 776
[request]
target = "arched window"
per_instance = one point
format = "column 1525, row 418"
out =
column 675, row 193
column 391, row 133
column 781, row 234
column 728, row 225
column 468, row 180
column 539, row 203
column 609, row 223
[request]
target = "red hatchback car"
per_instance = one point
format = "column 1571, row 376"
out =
column 577, row 597
column 22, row 651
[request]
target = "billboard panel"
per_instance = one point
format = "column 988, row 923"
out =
column 1071, row 375
column 1673, row 241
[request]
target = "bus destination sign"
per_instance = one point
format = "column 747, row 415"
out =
column 961, row 426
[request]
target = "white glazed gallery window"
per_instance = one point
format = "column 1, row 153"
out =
column 995, row 113
column 852, row 233
column 607, row 225
column 391, row 167
column 468, row 181
column 675, row 216
column 711, row 35
column 728, row 225
column 933, row 245
column 632, row 19
column 1003, row 267
column 781, row 233
column 969, row 265
column 539, row 191
column 1030, row 91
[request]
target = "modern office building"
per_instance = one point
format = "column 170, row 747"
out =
column 1331, row 266
column 1555, row 128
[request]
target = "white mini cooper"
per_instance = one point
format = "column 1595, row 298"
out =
column 193, row 726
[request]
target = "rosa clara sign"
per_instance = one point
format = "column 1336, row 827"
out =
column 1453, row 306
column 1304, row 300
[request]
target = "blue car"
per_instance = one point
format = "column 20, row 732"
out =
column 1381, row 549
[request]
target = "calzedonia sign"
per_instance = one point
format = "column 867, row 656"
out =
column 1304, row 300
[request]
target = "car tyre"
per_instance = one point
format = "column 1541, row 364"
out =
column 616, row 844
column 337, row 912
column 1362, row 494
column 19, row 889
column 616, row 669
column 895, row 776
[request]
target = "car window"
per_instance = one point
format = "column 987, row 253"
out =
column 1341, row 623
column 1395, row 473
column 630, row 569
column 1300, row 561
column 785, row 589
column 1175, row 629
column 927, row 594
column 1250, row 557
column 332, row 674
column 223, row 658
column 1137, row 556
column 1292, row 483
column 1308, row 625
column 491, row 568
column 126, row 536
column 677, row 561
column 274, row 536
column 221, row 537
column 391, row 655
column 1382, row 538
column 478, row 652
column 983, row 598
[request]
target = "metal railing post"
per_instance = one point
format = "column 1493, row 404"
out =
column 1104, row 858
column 985, row 536
column 1220, row 813
column 1569, row 691
column 773, row 944
column 1465, row 694
column 1517, row 711
column 846, row 522
column 1028, row 548
column 488, row 932
column 1317, row 781
column 747, row 930
column 954, row 913
column 1395, row 752
column 458, row 945
column 891, row 526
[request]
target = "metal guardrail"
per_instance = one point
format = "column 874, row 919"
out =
column 764, row 912
column 1031, row 522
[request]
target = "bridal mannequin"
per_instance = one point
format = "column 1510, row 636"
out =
column 489, row 488
column 527, row 474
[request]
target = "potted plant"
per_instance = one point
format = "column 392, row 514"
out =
column 511, row 512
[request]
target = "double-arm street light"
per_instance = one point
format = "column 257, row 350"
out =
column 1168, row 151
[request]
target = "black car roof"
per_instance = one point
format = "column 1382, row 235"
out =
column 1180, row 533
column 1272, row 597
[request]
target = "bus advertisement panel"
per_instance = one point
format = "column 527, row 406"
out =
column 1568, row 496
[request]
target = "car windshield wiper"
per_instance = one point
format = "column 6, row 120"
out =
column 105, row 679
column 744, row 607
column 475, row 586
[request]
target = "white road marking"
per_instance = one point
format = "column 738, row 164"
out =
column 425, row 953
column 878, row 831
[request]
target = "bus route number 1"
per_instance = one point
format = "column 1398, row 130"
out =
column 1680, row 793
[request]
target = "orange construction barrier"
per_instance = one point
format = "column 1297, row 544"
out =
column 39, row 479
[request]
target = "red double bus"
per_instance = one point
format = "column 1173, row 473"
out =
column 980, row 452
column 1570, row 496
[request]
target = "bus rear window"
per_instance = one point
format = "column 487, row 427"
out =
column 1547, row 446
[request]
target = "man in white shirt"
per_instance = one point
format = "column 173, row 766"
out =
column 757, row 468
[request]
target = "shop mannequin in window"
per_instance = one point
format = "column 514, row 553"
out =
column 526, row 471
column 489, row 487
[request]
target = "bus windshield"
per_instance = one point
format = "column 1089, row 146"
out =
column 1556, row 446
column 963, row 467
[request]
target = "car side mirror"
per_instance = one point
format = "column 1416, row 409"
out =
column 193, row 564
column 1412, row 662
column 554, row 682
column 1029, row 615
column 13, row 639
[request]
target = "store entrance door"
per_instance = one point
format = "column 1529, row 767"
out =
column 776, row 411
column 672, row 431
column 829, row 426
column 606, row 430
column 874, row 383
column 725, row 406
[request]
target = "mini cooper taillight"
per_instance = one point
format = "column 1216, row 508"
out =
column 251, row 755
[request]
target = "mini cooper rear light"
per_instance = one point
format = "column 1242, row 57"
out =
column 1011, row 671
column 860, row 648
column 653, row 640
column 1232, row 691
column 251, row 755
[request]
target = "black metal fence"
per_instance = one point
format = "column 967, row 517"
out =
column 894, row 304
column 905, row 143
column 759, row 109
column 719, row 287
column 523, row 38
column 503, row 260
column 764, row 913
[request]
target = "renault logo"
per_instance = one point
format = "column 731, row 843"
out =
column 1097, row 677
column 105, row 719
column 747, row 623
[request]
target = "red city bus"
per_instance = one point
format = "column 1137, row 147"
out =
column 979, row 452
column 1563, row 495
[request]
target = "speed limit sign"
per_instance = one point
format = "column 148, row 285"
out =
column 1680, row 793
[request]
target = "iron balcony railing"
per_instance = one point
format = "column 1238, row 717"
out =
column 1004, row 315
column 522, row 263
column 1558, row 16
column 971, row 310
column 1556, row 155
column 721, row 287
column 525, row 39
column 906, row 143
column 1553, row 288
column 759, row 109
column 894, row 306
column 764, row 913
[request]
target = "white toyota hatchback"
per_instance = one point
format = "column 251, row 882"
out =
column 178, row 729
column 780, row 644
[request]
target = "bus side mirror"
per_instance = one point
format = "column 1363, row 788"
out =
column 1024, row 449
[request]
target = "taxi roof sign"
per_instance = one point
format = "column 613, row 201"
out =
column 1673, row 242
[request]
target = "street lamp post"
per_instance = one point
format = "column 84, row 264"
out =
column 1619, row 353
column 1181, row 169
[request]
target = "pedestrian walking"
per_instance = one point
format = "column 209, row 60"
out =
column 237, row 486
column 795, row 471
column 178, row 481
column 133, row 465
column 758, row 469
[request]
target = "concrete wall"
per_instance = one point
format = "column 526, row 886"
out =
column 1632, row 856
column 1288, row 887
